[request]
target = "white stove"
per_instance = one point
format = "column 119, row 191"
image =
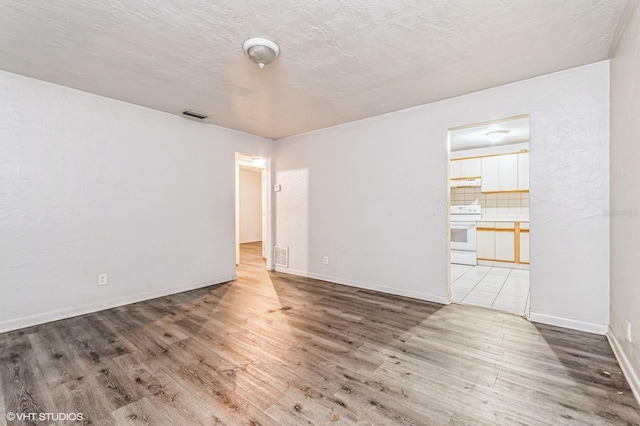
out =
column 463, row 234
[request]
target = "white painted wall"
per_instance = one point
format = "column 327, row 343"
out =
column 250, row 189
column 348, row 192
column 89, row 184
column 625, row 199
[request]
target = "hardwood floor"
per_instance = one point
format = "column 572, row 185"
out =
column 274, row 349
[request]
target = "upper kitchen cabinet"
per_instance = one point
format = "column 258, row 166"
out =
column 509, row 172
column 470, row 168
column 465, row 168
column 454, row 169
column 490, row 174
column 523, row 171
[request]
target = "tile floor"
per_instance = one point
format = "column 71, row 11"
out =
column 504, row 289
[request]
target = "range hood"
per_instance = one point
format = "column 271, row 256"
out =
column 461, row 183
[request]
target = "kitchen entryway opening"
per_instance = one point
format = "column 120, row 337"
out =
column 253, row 225
column 489, row 215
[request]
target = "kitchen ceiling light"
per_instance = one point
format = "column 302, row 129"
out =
column 497, row 135
column 261, row 51
column 258, row 162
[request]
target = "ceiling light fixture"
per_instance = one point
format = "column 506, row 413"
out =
column 497, row 135
column 258, row 162
column 261, row 51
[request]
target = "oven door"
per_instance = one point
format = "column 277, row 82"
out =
column 463, row 236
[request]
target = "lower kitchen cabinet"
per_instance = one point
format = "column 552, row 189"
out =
column 524, row 247
column 502, row 241
column 486, row 244
column 505, row 246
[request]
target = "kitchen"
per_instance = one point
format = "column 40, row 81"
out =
column 489, row 215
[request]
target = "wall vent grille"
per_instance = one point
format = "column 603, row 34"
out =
column 194, row 114
column 281, row 256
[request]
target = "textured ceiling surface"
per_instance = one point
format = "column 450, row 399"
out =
column 341, row 60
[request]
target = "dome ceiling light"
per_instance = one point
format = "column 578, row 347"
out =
column 497, row 135
column 261, row 51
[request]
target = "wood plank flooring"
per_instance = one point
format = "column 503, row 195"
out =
column 274, row 349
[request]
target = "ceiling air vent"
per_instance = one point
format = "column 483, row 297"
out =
column 281, row 256
column 194, row 114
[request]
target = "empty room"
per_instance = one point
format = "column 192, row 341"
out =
column 301, row 212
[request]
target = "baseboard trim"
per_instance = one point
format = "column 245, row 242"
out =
column 60, row 314
column 629, row 373
column 523, row 266
column 367, row 286
column 568, row 323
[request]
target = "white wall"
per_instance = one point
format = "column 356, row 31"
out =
column 250, row 205
column 625, row 199
column 90, row 184
column 372, row 195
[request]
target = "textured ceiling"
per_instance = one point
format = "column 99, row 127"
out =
column 341, row 60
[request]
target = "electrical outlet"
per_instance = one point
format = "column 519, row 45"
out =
column 326, row 260
column 103, row 279
column 628, row 331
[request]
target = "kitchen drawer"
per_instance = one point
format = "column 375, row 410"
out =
column 505, row 225
column 490, row 225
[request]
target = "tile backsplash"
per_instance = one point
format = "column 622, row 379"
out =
column 494, row 203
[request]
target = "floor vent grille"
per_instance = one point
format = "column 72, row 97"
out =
column 281, row 256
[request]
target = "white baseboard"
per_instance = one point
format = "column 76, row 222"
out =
column 629, row 372
column 444, row 300
column 56, row 315
column 510, row 265
column 569, row 323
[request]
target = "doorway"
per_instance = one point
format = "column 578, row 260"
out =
column 489, row 207
column 252, row 212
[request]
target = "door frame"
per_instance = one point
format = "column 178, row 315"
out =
column 527, row 313
column 243, row 159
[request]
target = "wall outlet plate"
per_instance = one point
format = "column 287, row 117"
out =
column 103, row 279
column 326, row 260
column 277, row 188
column 628, row 331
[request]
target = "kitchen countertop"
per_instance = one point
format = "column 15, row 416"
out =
column 504, row 218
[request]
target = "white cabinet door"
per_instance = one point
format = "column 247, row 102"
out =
column 508, row 172
column 523, row 172
column 486, row 245
column 505, row 246
column 524, row 247
column 454, row 169
column 490, row 174
column 470, row 167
